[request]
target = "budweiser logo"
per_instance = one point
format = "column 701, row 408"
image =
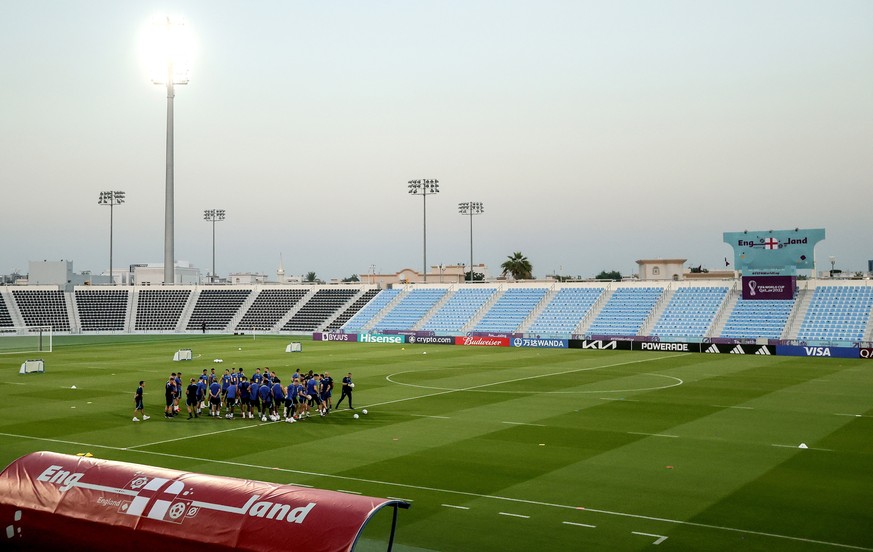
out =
column 484, row 341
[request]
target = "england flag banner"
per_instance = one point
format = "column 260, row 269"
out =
column 51, row 501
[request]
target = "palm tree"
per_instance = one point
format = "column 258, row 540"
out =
column 518, row 265
column 311, row 277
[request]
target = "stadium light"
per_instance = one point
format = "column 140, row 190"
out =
column 213, row 215
column 470, row 208
column 111, row 199
column 167, row 49
column 424, row 188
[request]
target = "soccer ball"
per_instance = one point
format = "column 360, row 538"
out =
column 364, row 411
column 356, row 416
column 351, row 385
column 263, row 418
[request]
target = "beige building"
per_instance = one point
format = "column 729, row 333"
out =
column 661, row 269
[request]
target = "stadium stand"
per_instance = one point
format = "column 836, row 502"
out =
column 757, row 319
column 510, row 310
column 5, row 316
column 411, row 308
column 626, row 311
column 565, row 311
column 270, row 306
column 160, row 309
column 352, row 309
column 102, row 310
column 837, row 313
column 43, row 308
column 690, row 312
column 459, row 309
column 322, row 306
column 370, row 310
column 216, row 308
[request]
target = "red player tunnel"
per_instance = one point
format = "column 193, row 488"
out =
column 56, row 501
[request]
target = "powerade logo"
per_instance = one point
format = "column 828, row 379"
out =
column 380, row 338
column 650, row 346
column 540, row 343
column 432, row 340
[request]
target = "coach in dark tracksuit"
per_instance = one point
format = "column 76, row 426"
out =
column 346, row 391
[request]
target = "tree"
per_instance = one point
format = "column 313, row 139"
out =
column 611, row 275
column 517, row 265
column 352, row 278
column 477, row 276
column 311, row 277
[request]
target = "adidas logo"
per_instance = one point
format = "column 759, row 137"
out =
column 712, row 349
column 738, row 350
column 762, row 351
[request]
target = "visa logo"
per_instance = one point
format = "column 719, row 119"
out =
column 817, row 351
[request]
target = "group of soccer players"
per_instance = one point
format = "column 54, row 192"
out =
column 262, row 396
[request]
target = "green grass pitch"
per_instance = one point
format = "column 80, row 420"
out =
column 501, row 449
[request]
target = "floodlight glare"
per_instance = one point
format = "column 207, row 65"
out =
column 213, row 216
column 470, row 208
column 424, row 188
column 111, row 198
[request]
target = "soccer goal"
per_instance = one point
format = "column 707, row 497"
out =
column 25, row 339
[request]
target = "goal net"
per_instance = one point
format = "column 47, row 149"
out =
column 25, row 339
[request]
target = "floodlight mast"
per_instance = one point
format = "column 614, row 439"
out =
column 213, row 215
column 111, row 198
column 471, row 208
column 424, row 188
column 175, row 75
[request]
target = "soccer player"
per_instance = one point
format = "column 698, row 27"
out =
column 244, row 397
column 202, row 391
column 326, row 388
column 137, row 403
column 170, row 395
column 254, row 398
column 266, row 401
column 346, row 391
column 278, row 396
column 225, row 383
column 313, row 393
column 230, row 399
column 290, row 402
column 178, row 394
column 191, row 399
column 214, row 399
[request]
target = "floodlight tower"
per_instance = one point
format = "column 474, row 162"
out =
column 471, row 208
column 424, row 188
column 171, row 48
column 213, row 216
column 111, row 198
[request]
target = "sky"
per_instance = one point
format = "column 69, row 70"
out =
column 595, row 133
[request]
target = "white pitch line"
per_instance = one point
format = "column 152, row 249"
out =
column 475, row 387
column 735, row 407
column 852, row 415
column 348, row 492
column 192, row 436
column 513, row 515
column 398, row 498
column 427, row 416
column 798, row 447
column 619, row 400
column 524, row 424
column 653, row 434
column 455, row 507
column 579, row 524
column 660, row 538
